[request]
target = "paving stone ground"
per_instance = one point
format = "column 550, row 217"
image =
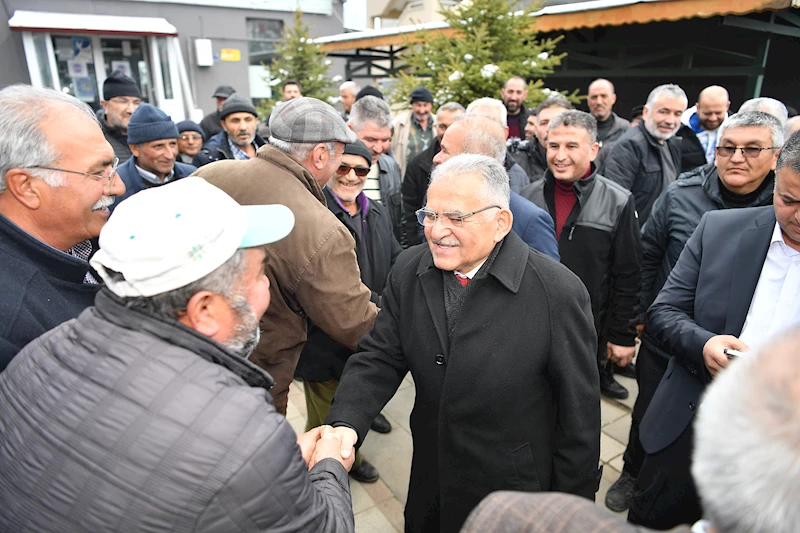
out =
column 378, row 507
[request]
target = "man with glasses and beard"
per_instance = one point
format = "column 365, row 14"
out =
column 323, row 359
column 238, row 138
column 144, row 413
column 121, row 98
column 57, row 181
column 647, row 157
column 503, row 401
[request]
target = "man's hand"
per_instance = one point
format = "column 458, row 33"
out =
column 639, row 331
column 713, row 355
column 308, row 441
column 335, row 443
column 621, row 355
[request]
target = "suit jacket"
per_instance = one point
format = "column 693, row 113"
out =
column 546, row 512
column 512, row 402
column 534, row 225
column 708, row 293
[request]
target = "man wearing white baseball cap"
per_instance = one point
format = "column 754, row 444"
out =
column 144, row 413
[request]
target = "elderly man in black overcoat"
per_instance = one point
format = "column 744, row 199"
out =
column 501, row 345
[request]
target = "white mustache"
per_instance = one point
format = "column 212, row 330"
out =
column 103, row 202
column 445, row 243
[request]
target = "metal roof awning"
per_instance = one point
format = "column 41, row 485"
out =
column 565, row 17
column 83, row 23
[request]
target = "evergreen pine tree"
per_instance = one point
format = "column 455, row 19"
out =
column 486, row 43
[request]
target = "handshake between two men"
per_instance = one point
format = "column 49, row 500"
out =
column 326, row 442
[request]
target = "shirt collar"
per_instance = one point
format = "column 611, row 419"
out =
column 777, row 237
column 237, row 152
column 152, row 178
column 471, row 273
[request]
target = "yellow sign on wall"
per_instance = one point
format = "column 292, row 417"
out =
column 230, row 54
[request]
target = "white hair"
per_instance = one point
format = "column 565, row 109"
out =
column 372, row 109
column 774, row 107
column 496, row 189
column 746, row 461
column 669, row 90
column 452, row 107
column 483, row 136
column 350, row 86
column 23, row 143
column 491, row 108
column 299, row 151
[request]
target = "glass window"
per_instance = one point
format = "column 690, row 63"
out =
column 126, row 55
column 163, row 58
column 43, row 58
column 75, row 65
column 263, row 35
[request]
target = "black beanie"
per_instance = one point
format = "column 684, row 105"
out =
column 421, row 94
column 358, row 148
column 369, row 90
column 236, row 103
column 118, row 84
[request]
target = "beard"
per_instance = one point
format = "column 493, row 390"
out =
column 246, row 334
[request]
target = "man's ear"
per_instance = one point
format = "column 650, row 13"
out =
column 25, row 188
column 203, row 313
column 504, row 222
column 134, row 149
column 319, row 156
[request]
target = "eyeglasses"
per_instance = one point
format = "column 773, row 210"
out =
column 195, row 137
column 750, row 152
column 108, row 179
column 344, row 170
column 426, row 217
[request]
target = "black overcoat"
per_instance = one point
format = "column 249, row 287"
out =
column 512, row 403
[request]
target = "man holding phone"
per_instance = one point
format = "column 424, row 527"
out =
column 734, row 286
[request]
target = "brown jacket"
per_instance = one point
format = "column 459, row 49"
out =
column 313, row 272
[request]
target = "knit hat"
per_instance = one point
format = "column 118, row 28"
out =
column 118, row 84
column 188, row 125
column 637, row 111
column 421, row 94
column 358, row 148
column 308, row 120
column 369, row 90
column 223, row 91
column 237, row 103
column 149, row 123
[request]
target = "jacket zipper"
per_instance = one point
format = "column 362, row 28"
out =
column 571, row 231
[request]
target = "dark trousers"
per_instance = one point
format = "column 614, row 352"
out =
column 650, row 368
column 665, row 494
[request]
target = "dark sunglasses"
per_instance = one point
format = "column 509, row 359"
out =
column 344, row 170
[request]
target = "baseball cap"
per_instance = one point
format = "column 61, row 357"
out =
column 308, row 120
column 165, row 238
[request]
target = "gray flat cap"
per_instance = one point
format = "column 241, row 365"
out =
column 308, row 120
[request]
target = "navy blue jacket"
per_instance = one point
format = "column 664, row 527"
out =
column 134, row 182
column 534, row 225
column 41, row 287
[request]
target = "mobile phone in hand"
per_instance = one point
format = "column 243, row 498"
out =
column 731, row 353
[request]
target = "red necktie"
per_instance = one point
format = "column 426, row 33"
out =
column 463, row 280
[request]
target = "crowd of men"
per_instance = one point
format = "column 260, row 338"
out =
column 164, row 283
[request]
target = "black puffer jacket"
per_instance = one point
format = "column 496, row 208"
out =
column 323, row 358
column 415, row 187
column 600, row 243
column 635, row 163
column 217, row 149
column 675, row 216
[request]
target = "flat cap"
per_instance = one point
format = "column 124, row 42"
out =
column 223, row 91
column 308, row 120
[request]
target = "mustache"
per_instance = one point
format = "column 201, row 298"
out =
column 103, row 202
column 445, row 242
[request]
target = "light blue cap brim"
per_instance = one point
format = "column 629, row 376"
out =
column 266, row 224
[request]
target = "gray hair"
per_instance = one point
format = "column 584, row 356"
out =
column 225, row 280
column 496, row 189
column 452, row 107
column 670, row 90
column 757, row 119
column 576, row 119
column 350, row 86
column 792, row 125
column 300, row 151
column 553, row 101
column 23, row 143
column 483, row 136
column 790, row 155
column 746, row 461
column 491, row 108
column 372, row 109
column 774, row 107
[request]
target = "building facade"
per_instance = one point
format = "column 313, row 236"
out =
column 177, row 50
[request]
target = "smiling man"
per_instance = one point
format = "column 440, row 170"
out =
column 57, row 180
column 648, row 157
column 153, row 139
column 503, row 401
column 414, row 129
column 598, row 237
column 514, row 94
column 706, row 116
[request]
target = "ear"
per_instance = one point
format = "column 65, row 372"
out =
column 104, row 103
column 26, row 189
column 595, row 148
column 134, row 149
column 504, row 222
column 319, row 156
column 774, row 160
column 203, row 314
column 350, row 126
column 613, row 98
column 506, row 130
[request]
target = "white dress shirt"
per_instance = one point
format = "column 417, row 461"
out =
column 775, row 306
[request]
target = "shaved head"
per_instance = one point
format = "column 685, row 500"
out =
column 601, row 99
column 713, row 93
column 602, row 83
column 712, row 107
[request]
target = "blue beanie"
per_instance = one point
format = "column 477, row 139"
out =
column 149, row 123
column 188, row 125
